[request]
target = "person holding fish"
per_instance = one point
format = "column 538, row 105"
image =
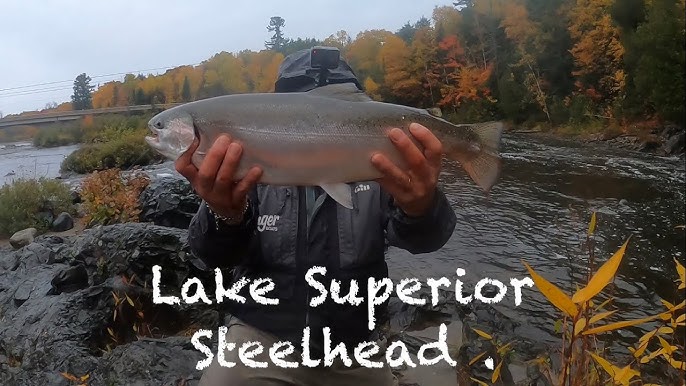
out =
column 315, row 175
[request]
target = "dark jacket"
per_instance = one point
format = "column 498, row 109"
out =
column 281, row 239
column 275, row 241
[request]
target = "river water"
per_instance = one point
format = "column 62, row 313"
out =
column 22, row 160
column 538, row 213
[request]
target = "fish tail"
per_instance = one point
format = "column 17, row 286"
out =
column 483, row 166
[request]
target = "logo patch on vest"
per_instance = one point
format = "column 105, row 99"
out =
column 362, row 188
column 267, row 222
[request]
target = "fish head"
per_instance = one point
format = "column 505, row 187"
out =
column 173, row 132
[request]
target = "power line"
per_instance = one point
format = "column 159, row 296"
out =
column 93, row 77
column 36, row 91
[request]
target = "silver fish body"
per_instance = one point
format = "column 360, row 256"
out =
column 324, row 137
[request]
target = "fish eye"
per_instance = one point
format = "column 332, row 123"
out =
column 158, row 124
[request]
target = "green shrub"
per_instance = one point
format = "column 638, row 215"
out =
column 57, row 136
column 22, row 202
column 110, row 127
column 122, row 149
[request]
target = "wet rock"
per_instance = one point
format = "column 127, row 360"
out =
column 22, row 293
column 63, row 222
column 151, row 362
column 169, row 201
column 75, row 196
column 57, row 303
column 670, row 131
column 46, row 217
column 675, row 144
column 9, row 261
column 69, row 280
column 23, row 237
column 649, row 144
column 34, row 255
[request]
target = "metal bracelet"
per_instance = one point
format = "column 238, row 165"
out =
column 219, row 219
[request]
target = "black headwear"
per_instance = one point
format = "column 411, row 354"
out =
column 297, row 75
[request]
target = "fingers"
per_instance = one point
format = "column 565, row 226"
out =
column 394, row 180
column 413, row 189
column 210, row 165
column 412, row 155
column 248, row 182
column 433, row 149
column 225, row 174
column 184, row 164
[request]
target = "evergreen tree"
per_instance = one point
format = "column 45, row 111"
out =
column 186, row 90
column 82, row 98
column 278, row 41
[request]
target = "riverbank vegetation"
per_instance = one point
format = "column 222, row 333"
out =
column 110, row 197
column 588, row 314
column 32, row 203
column 111, row 142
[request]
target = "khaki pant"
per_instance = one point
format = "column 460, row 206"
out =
column 338, row 374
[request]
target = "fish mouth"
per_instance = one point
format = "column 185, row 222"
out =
column 154, row 138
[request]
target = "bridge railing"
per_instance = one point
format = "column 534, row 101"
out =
column 77, row 113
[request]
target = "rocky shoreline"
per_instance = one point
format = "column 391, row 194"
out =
column 662, row 141
column 81, row 306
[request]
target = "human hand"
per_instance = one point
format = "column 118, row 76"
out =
column 214, row 180
column 414, row 189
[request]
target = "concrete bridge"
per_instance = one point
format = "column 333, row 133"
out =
column 61, row 116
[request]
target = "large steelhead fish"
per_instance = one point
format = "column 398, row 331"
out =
column 323, row 137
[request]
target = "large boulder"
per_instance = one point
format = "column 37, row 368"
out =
column 169, row 201
column 23, row 237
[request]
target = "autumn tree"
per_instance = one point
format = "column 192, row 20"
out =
column 527, row 36
column 598, row 52
column 277, row 41
column 82, row 97
column 340, row 39
column 400, row 83
column 363, row 54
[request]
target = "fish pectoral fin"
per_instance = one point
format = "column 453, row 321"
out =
column 341, row 193
column 343, row 91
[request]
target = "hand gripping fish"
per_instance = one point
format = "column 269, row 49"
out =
column 324, row 137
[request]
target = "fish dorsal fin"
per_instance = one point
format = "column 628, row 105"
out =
column 343, row 91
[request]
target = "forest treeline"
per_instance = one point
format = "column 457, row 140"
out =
column 526, row 61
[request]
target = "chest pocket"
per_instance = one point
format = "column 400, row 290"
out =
column 277, row 227
column 360, row 230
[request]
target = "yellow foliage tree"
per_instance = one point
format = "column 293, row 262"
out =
column 598, row 52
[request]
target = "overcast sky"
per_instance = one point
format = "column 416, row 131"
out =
column 52, row 41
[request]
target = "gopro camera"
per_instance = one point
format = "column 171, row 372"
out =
column 325, row 57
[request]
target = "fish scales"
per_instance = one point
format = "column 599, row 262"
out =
column 324, row 137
